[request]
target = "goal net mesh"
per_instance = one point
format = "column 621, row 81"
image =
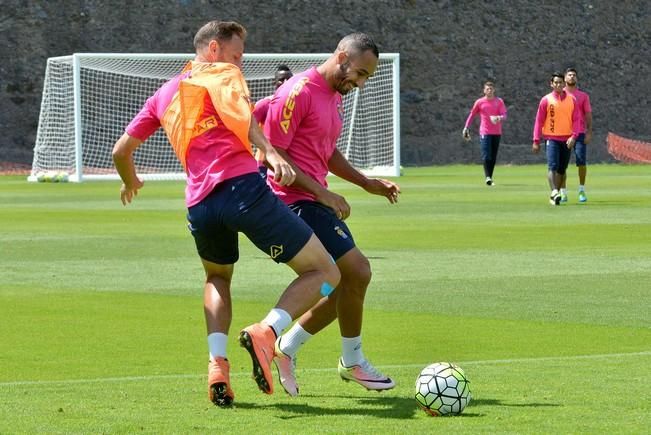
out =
column 83, row 114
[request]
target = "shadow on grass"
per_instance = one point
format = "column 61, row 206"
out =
column 403, row 408
column 496, row 402
column 381, row 407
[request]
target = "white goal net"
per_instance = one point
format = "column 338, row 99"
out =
column 88, row 100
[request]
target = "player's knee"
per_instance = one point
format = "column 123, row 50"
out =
column 357, row 277
column 364, row 273
column 331, row 275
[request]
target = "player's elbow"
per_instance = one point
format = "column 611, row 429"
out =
column 124, row 147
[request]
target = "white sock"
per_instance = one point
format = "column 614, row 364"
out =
column 581, row 188
column 351, row 351
column 554, row 192
column 278, row 319
column 563, row 191
column 294, row 339
column 217, row 345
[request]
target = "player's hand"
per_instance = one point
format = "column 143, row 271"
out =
column 128, row 192
column 495, row 119
column 284, row 174
column 535, row 147
column 570, row 143
column 466, row 134
column 386, row 188
column 336, row 202
column 588, row 138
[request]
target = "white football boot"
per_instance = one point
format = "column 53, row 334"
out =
column 365, row 375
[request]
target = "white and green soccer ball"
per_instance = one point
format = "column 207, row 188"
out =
column 442, row 389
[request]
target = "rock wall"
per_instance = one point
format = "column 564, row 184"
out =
column 447, row 48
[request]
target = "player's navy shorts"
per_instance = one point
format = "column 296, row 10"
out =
column 331, row 231
column 558, row 156
column 489, row 144
column 580, row 151
column 245, row 204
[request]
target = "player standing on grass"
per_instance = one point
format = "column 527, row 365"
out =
column 585, row 136
column 557, row 120
column 210, row 132
column 492, row 113
column 283, row 73
column 303, row 123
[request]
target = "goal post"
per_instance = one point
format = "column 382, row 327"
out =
column 89, row 98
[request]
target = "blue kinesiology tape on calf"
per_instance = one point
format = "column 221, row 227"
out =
column 326, row 289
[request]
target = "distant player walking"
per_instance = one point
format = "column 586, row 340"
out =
column 492, row 113
column 210, row 132
column 304, row 122
column 585, row 132
column 557, row 120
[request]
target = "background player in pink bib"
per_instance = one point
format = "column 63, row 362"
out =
column 304, row 122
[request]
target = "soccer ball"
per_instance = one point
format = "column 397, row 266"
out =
column 442, row 389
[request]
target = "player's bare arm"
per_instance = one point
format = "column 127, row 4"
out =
column 570, row 142
column 588, row 128
column 339, row 166
column 284, row 173
column 123, row 159
column 535, row 147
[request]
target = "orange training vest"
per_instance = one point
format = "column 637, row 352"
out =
column 229, row 95
column 559, row 116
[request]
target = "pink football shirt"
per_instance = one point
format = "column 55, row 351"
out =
column 305, row 117
column 582, row 104
column 212, row 157
column 486, row 108
column 260, row 110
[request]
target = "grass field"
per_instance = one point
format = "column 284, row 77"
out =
column 546, row 308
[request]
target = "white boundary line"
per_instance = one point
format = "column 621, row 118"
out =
column 330, row 369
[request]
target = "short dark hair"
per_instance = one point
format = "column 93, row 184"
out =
column 489, row 83
column 556, row 74
column 283, row 67
column 571, row 70
column 219, row 31
column 358, row 43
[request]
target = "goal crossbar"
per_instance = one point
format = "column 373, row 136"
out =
column 89, row 98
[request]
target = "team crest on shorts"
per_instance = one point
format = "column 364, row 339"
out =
column 341, row 232
column 275, row 250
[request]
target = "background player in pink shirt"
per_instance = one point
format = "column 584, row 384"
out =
column 585, row 133
column 492, row 112
column 303, row 123
column 283, row 73
column 225, row 195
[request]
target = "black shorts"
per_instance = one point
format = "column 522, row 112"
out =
column 331, row 231
column 245, row 204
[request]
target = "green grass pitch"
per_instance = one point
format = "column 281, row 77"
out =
column 545, row 308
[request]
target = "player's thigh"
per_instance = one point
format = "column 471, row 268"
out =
column 564, row 155
column 257, row 213
column 354, row 267
column 333, row 233
column 223, row 271
column 214, row 241
column 580, row 151
column 495, row 145
column 552, row 150
column 485, row 146
column 313, row 256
